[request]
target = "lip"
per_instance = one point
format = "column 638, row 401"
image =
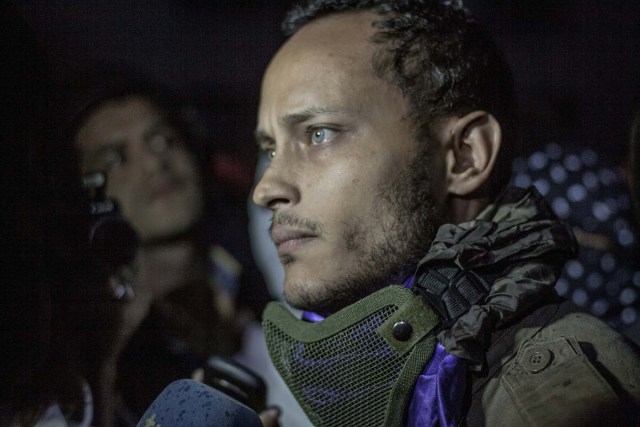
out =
column 288, row 240
column 161, row 188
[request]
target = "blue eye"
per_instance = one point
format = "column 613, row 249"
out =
column 268, row 153
column 322, row 135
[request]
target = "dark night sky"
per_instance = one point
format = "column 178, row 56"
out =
column 576, row 62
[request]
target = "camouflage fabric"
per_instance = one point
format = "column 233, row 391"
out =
column 519, row 240
column 557, row 366
column 534, row 359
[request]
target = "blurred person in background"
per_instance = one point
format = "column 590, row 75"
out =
column 591, row 192
column 634, row 161
column 181, row 298
column 633, row 178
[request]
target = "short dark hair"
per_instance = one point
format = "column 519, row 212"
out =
column 440, row 58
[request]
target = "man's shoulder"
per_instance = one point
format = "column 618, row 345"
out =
column 557, row 365
column 565, row 318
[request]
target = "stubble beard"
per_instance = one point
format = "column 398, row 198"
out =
column 406, row 219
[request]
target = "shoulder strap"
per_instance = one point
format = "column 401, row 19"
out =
column 450, row 290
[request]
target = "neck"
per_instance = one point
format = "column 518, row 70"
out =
column 463, row 210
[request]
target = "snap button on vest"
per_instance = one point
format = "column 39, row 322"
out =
column 402, row 331
column 536, row 359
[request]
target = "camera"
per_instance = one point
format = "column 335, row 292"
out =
column 237, row 381
column 112, row 240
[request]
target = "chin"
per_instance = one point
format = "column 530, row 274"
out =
column 168, row 231
column 315, row 297
column 300, row 296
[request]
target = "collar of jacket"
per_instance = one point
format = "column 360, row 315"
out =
column 518, row 242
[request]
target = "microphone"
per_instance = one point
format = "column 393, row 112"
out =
column 192, row 403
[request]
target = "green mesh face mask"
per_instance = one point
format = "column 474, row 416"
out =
column 357, row 367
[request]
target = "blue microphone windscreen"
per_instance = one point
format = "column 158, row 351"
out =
column 191, row 403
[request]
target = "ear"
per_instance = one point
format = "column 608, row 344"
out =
column 472, row 149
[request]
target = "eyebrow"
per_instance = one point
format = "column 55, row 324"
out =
column 293, row 119
column 306, row 114
column 119, row 142
column 156, row 127
column 262, row 138
column 93, row 155
column 110, row 145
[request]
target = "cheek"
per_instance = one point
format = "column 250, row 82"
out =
column 340, row 200
column 335, row 184
column 115, row 185
column 346, row 183
column 349, row 185
column 365, row 178
column 184, row 164
column 121, row 189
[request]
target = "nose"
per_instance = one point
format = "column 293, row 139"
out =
column 154, row 155
column 276, row 187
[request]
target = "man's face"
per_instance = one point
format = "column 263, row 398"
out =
column 351, row 194
column 149, row 171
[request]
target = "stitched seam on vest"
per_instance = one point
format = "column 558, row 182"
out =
column 480, row 382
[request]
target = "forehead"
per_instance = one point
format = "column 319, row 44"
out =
column 339, row 36
column 115, row 119
column 325, row 58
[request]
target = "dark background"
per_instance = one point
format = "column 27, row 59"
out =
column 576, row 62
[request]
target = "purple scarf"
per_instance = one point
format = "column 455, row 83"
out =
column 439, row 392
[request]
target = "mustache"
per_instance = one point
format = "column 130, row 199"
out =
column 287, row 219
